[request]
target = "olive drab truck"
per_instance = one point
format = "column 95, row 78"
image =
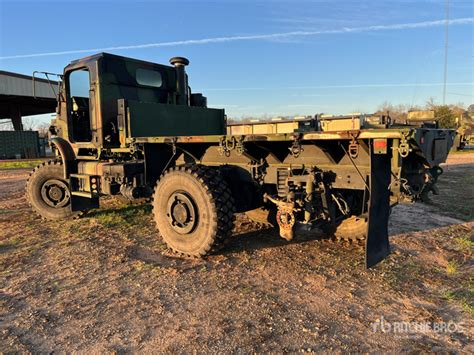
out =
column 134, row 128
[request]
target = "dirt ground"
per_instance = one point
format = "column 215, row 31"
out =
column 107, row 283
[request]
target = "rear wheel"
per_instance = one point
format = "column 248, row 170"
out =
column 48, row 193
column 352, row 229
column 193, row 210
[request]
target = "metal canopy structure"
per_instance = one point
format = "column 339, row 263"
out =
column 17, row 98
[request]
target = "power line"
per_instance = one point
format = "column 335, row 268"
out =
column 458, row 94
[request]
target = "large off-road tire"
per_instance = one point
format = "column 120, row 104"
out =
column 352, row 229
column 48, row 193
column 193, row 209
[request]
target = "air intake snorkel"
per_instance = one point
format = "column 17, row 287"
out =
column 181, row 80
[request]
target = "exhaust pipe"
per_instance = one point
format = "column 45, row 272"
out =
column 181, row 80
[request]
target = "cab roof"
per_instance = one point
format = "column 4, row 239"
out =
column 96, row 57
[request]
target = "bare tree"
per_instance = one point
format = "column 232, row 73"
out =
column 29, row 123
column 6, row 125
column 431, row 104
column 398, row 113
column 43, row 129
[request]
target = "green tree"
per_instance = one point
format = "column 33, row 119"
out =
column 445, row 117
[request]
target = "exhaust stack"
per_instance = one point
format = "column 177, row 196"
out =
column 181, row 79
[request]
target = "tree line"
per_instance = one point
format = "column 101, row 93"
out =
column 448, row 116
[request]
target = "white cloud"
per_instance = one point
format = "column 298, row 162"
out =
column 258, row 37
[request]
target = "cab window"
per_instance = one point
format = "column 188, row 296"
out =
column 78, row 105
column 149, row 78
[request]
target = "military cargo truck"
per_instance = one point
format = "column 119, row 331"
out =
column 427, row 118
column 464, row 137
column 134, row 128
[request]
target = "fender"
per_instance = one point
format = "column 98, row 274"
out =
column 78, row 203
column 67, row 155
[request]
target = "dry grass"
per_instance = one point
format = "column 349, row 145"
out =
column 106, row 283
column 19, row 164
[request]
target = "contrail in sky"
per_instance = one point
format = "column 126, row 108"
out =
column 270, row 36
column 352, row 86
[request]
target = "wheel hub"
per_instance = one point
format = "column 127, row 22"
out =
column 55, row 193
column 181, row 213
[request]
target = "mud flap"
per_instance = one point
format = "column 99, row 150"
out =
column 377, row 246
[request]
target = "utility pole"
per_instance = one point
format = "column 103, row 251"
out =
column 446, row 10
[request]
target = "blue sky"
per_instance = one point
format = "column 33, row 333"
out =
column 272, row 57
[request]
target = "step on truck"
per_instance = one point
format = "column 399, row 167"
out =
column 134, row 128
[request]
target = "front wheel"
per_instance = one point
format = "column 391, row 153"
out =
column 193, row 209
column 48, row 193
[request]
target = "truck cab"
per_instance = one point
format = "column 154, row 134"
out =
column 94, row 88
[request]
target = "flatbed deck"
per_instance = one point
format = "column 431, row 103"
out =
column 360, row 134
